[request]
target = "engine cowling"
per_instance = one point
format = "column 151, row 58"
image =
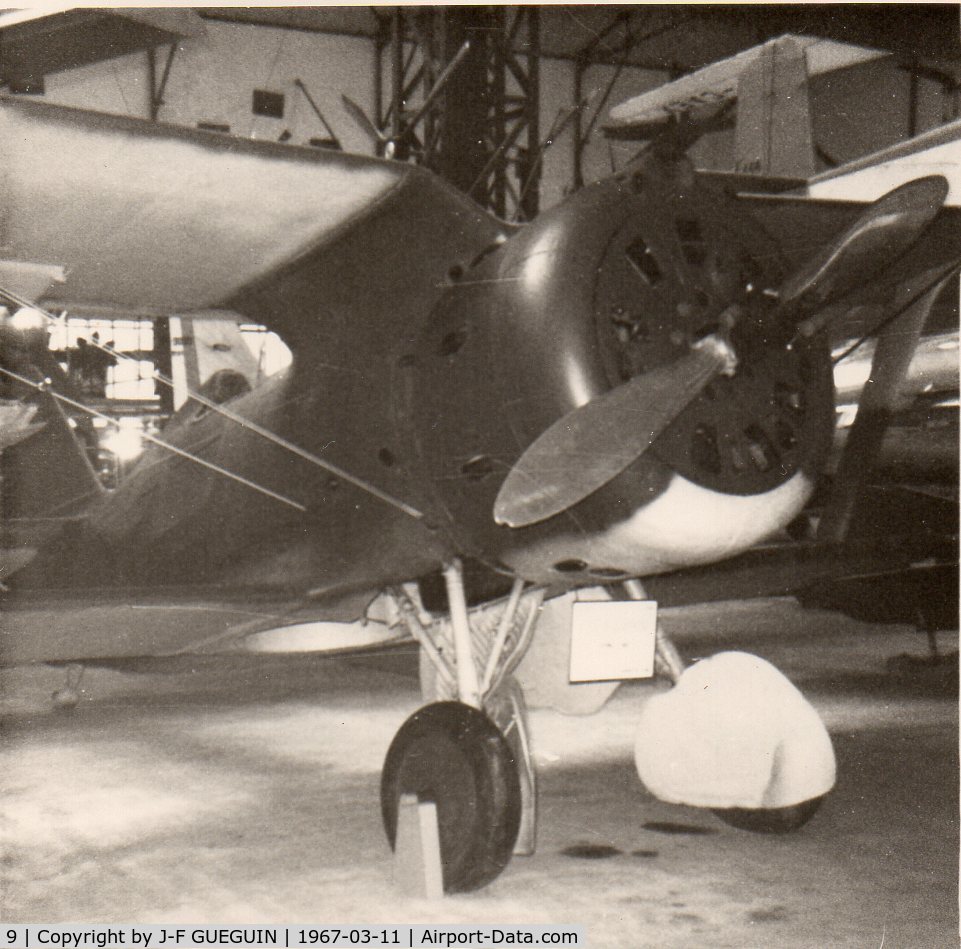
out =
column 623, row 277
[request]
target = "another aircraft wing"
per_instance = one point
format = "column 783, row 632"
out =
column 935, row 152
column 797, row 219
column 906, row 555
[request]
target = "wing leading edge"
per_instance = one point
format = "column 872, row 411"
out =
column 157, row 218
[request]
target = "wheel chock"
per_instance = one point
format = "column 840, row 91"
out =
column 417, row 864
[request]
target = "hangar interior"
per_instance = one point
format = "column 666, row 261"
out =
column 245, row 789
column 534, row 95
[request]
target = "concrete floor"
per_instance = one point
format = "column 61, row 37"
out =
column 246, row 791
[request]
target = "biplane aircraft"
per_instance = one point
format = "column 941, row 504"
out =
column 484, row 427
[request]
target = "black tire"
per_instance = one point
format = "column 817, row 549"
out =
column 454, row 755
column 773, row 820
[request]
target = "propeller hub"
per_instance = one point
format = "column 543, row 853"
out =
column 687, row 272
column 722, row 349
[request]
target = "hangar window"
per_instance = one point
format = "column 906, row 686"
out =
column 645, row 263
column 126, row 366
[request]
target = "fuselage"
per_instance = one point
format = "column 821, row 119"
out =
column 431, row 345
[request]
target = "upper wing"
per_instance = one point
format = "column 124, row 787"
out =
column 936, row 152
column 799, row 226
column 162, row 219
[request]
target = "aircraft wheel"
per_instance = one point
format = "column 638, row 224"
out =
column 773, row 820
column 454, row 755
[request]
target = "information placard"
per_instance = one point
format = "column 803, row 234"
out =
column 613, row 639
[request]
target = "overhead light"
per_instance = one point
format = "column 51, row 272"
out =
column 27, row 318
column 126, row 441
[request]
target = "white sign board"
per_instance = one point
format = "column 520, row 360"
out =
column 613, row 640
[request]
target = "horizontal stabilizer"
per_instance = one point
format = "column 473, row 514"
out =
column 28, row 279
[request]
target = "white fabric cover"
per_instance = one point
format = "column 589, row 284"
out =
column 733, row 732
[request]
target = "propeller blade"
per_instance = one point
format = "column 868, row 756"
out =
column 883, row 232
column 360, row 117
column 589, row 446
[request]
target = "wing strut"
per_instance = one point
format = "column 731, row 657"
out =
column 220, row 409
column 879, row 400
column 42, row 387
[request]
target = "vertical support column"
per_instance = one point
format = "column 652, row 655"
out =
column 494, row 185
column 398, row 102
column 381, row 41
column 481, row 132
column 530, row 178
column 577, row 138
column 462, row 147
column 163, row 361
column 431, row 32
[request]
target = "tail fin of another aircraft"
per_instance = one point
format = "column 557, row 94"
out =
column 47, row 474
column 773, row 132
column 213, row 342
column 769, row 84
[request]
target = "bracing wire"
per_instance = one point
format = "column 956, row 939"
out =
column 909, row 302
column 273, row 437
column 219, row 469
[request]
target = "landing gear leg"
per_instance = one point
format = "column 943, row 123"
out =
column 468, row 684
column 466, row 755
column 508, row 709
